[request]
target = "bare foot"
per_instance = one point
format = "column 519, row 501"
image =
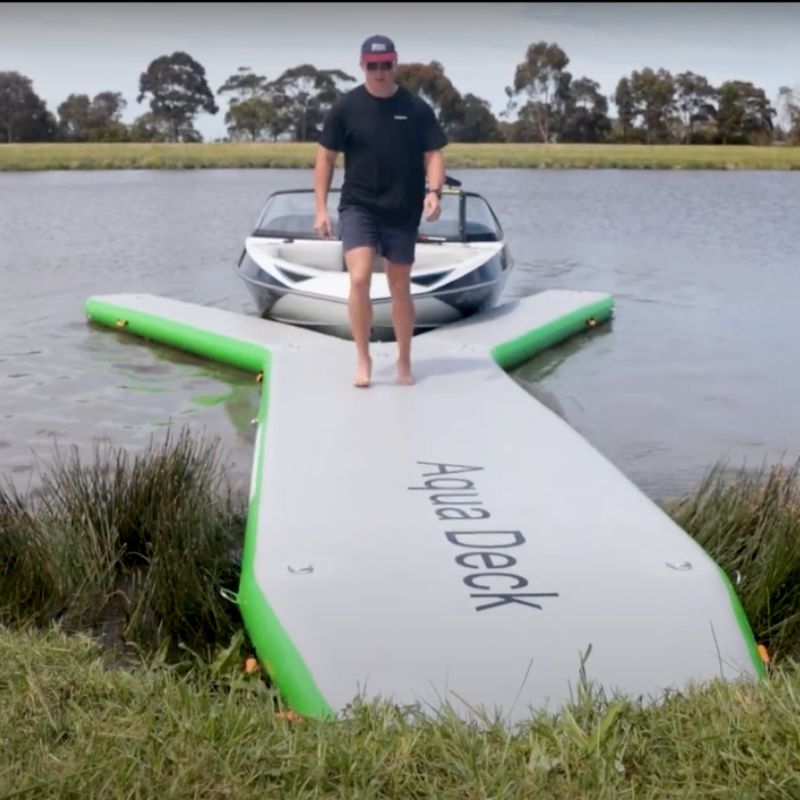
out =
column 363, row 375
column 404, row 375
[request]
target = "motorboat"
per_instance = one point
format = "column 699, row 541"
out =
column 461, row 265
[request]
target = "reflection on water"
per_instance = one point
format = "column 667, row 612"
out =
column 697, row 365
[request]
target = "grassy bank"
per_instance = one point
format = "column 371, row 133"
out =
column 133, row 550
column 72, row 728
column 25, row 157
column 120, row 562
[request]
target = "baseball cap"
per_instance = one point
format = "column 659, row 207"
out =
column 378, row 48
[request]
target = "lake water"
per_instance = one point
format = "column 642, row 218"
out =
column 700, row 363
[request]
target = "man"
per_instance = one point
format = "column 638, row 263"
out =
column 392, row 143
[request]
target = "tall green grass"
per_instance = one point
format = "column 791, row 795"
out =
column 292, row 155
column 749, row 524
column 135, row 549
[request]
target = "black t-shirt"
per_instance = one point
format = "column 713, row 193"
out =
column 383, row 140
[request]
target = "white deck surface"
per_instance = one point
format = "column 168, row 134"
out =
column 456, row 540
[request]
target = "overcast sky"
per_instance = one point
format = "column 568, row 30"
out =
column 89, row 48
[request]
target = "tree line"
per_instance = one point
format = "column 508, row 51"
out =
column 545, row 103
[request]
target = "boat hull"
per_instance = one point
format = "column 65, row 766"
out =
column 470, row 294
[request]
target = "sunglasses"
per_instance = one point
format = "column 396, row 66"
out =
column 383, row 66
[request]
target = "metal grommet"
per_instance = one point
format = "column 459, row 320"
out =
column 229, row 595
column 681, row 566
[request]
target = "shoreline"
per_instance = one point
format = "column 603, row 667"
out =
column 34, row 157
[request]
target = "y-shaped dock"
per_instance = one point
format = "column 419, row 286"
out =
column 453, row 542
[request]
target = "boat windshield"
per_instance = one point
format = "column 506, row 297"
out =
column 480, row 224
column 291, row 214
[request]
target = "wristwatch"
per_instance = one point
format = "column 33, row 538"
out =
column 437, row 192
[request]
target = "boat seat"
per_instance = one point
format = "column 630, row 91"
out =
column 328, row 255
column 325, row 255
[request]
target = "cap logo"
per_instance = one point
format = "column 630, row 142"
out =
column 379, row 46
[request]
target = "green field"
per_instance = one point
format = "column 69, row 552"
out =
column 26, row 157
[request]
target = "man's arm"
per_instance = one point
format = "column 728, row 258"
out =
column 323, row 175
column 434, row 170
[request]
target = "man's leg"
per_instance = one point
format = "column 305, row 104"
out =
column 399, row 278
column 359, row 265
column 399, row 248
column 359, row 234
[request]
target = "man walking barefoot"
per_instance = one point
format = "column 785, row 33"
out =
column 392, row 145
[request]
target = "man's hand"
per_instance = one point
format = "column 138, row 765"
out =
column 431, row 208
column 322, row 224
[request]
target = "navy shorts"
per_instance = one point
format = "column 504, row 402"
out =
column 360, row 228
